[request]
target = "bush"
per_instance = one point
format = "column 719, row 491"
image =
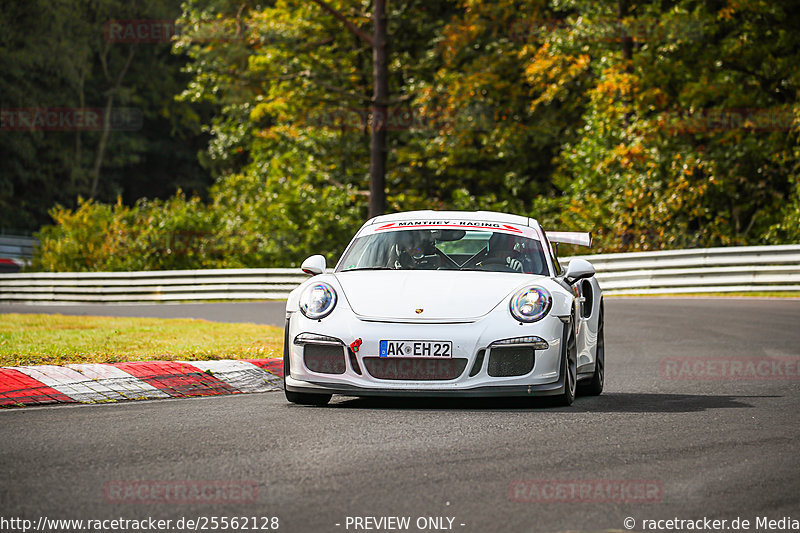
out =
column 178, row 233
column 250, row 222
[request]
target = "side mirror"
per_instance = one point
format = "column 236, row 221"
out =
column 314, row 265
column 578, row 269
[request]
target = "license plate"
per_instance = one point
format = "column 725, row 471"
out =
column 432, row 349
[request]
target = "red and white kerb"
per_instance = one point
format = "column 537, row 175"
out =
column 144, row 380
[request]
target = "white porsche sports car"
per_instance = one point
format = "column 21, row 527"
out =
column 437, row 303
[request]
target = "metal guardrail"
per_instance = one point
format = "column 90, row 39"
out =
column 151, row 286
column 739, row 269
column 702, row 270
column 14, row 247
column 15, row 252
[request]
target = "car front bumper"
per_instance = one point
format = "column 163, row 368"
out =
column 471, row 342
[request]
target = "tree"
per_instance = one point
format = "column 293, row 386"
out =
column 495, row 121
column 380, row 99
column 294, row 78
column 654, row 125
column 72, row 64
column 671, row 152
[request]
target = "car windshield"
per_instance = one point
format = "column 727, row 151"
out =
column 445, row 249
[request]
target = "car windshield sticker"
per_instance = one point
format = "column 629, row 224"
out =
column 456, row 224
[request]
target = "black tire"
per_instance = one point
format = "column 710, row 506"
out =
column 594, row 387
column 304, row 398
column 569, row 368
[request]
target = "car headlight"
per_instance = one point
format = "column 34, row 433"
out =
column 317, row 301
column 531, row 304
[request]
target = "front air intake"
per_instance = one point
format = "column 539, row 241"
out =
column 324, row 358
column 505, row 361
column 414, row 368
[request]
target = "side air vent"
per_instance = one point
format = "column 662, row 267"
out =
column 478, row 363
column 354, row 362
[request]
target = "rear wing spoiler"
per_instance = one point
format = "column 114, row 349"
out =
column 570, row 237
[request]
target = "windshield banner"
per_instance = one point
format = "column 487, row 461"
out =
column 477, row 225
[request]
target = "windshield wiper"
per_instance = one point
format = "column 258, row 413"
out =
column 368, row 268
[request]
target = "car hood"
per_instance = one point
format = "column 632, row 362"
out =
column 440, row 295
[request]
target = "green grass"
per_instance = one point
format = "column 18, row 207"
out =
column 35, row 339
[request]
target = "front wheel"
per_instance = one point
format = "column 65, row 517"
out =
column 304, row 398
column 595, row 386
column 569, row 368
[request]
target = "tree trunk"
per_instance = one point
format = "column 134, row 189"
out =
column 623, row 10
column 101, row 148
column 377, row 165
column 380, row 99
column 626, row 40
column 77, row 166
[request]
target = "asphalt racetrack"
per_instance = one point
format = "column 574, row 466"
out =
column 663, row 442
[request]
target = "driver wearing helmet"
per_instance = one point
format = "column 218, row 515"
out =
column 411, row 249
column 503, row 250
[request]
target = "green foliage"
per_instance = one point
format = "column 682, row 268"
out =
column 643, row 129
column 670, row 155
column 70, row 62
column 78, row 241
column 249, row 223
column 152, row 235
column 283, row 217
